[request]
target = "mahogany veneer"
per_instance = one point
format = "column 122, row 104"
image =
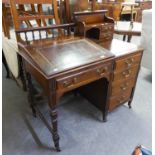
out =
column 125, row 72
column 94, row 25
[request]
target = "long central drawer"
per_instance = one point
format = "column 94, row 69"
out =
column 75, row 80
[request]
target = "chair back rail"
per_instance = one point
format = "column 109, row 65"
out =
column 32, row 31
column 20, row 14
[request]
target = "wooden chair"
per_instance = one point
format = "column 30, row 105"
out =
column 21, row 14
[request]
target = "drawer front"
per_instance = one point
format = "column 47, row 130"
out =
column 122, row 87
column 119, row 100
column 106, row 36
column 76, row 80
column 127, row 62
column 126, row 74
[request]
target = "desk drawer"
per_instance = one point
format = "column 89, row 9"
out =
column 118, row 100
column 127, row 62
column 122, row 87
column 126, row 74
column 75, row 80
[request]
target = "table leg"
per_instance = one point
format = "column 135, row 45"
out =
column 53, row 114
column 124, row 37
column 132, row 7
column 129, row 38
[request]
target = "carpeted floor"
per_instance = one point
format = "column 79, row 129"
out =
column 80, row 128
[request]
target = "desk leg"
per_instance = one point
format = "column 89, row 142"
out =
column 22, row 72
column 105, row 110
column 131, row 98
column 30, row 93
column 53, row 114
column 5, row 65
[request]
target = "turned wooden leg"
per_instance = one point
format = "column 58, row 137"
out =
column 5, row 65
column 104, row 117
column 22, row 73
column 131, row 98
column 129, row 104
column 53, row 99
column 53, row 114
column 30, row 94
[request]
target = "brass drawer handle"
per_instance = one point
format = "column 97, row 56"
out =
column 129, row 62
column 121, row 99
column 105, row 28
column 101, row 71
column 110, row 27
column 108, row 35
column 124, row 87
column 126, row 73
column 69, row 84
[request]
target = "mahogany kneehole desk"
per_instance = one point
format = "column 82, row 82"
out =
column 98, row 74
column 66, row 66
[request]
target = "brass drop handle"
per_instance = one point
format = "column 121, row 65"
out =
column 101, row 71
column 121, row 99
column 124, row 87
column 69, row 84
column 129, row 62
column 109, row 35
column 105, row 28
column 126, row 73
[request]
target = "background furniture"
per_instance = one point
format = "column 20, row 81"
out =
column 146, row 38
column 129, row 8
column 125, row 28
column 114, row 9
column 143, row 5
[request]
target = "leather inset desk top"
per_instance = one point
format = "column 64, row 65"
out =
column 64, row 56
